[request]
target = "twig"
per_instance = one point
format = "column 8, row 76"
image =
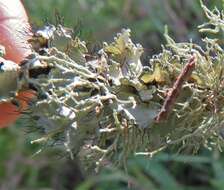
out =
column 175, row 90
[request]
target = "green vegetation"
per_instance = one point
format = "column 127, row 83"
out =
column 97, row 21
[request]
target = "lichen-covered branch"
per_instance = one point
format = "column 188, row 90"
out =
column 110, row 105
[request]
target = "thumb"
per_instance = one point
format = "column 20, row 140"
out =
column 14, row 30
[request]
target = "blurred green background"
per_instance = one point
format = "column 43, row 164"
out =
column 95, row 21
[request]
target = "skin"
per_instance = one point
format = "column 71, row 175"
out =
column 14, row 33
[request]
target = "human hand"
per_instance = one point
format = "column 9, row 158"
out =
column 14, row 34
